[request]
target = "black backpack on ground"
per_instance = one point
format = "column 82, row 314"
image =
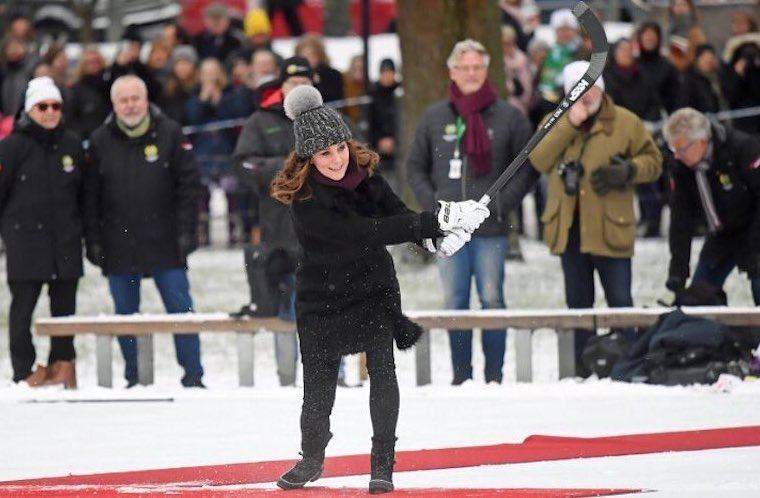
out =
column 602, row 352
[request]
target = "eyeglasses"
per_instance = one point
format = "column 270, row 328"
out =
column 471, row 69
column 43, row 107
column 679, row 151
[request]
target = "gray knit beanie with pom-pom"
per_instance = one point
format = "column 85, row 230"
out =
column 315, row 125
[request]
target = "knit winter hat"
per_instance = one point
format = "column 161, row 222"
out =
column 184, row 52
column 39, row 90
column 315, row 125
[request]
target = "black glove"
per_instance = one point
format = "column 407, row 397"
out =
column 186, row 244
column 675, row 283
column 95, row 254
column 616, row 175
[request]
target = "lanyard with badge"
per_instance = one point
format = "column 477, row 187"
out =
column 455, row 163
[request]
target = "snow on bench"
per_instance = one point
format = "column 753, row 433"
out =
column 522, row 322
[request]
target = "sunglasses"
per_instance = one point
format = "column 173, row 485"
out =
column 43, row 107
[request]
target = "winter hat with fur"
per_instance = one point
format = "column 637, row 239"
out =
column 39, row 90
column 315, row 125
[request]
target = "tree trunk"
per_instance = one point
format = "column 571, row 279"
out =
column 428, row 30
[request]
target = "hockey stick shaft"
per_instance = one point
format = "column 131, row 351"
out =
column 598, row 38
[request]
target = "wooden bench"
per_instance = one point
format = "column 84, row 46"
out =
column 521, row 322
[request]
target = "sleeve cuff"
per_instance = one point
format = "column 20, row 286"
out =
column 429, row 226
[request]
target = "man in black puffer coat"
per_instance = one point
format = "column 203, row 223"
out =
column 141, row 195
column 41, row 225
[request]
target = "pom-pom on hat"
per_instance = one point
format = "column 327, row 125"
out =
column 316, row 126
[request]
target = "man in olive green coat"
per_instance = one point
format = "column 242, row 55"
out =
column 594, row 156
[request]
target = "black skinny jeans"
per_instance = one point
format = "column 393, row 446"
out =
column 320, row 378
column 24, row 295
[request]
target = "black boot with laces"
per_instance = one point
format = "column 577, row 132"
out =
column 382, row 461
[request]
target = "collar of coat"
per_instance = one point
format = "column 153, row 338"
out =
column 605, row 118
column 340, row 199
column 26, row 125
column 155, row 116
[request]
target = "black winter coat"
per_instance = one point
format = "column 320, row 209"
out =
column 632, row 90
column 697, row 92
column 90, row 104
column 347, row 294
column 141, row 196
column 40, row 202
column 219, row 47
column 663, row 76
column 734, row 179
column 329, row 82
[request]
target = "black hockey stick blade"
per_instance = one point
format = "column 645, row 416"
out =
column 598, row 60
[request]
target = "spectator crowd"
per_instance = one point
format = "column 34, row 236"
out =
column 97, row 153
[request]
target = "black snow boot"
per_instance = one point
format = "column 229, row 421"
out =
column 382, row 460
column 309, row 468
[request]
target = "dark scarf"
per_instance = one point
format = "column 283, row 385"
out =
column 353, row 177
column 477, row 144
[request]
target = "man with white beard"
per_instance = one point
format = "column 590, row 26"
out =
column 594, row 157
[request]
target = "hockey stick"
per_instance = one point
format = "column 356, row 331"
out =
column 598, row 60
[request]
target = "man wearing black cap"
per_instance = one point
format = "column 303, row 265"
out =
column 383, row 121
column 264, row 144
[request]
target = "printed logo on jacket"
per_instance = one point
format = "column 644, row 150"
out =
column 151, row 153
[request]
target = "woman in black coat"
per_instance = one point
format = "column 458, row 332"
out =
column 41, row 224
column 347, row 294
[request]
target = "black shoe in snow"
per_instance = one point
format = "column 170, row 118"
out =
column 382, row 461
column 305, row 471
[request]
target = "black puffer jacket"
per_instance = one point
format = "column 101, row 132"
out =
column 40, row 212
column 347, row 292
column 141, row 196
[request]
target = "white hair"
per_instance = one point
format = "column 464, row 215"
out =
column 127, row 78
column 468, row 45
column 688, row 123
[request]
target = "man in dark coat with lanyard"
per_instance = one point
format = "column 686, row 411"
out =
column 264, row 144
column 717, row 173
column 41, row 225
column 141, row 195
column 460, row 148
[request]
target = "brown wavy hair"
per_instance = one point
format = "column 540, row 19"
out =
column 290, row 186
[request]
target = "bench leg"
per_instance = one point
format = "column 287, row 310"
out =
column 145, row 359
column 422, row 358
column 103, row 359
column 566, row 353
column 245, row 358
column 523, row 355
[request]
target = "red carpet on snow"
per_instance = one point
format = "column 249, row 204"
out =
column 533, row 449
column 316, row 491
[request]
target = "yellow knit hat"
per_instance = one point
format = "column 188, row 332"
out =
column 256, row 23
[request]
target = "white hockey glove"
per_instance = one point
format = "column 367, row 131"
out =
column 467, row 215
column 453, row 241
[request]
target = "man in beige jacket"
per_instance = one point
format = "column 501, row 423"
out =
column 594, row 157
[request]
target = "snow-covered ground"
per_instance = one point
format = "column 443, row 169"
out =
column 40, row 435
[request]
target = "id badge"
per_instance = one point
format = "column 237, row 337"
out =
column 455, row 168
